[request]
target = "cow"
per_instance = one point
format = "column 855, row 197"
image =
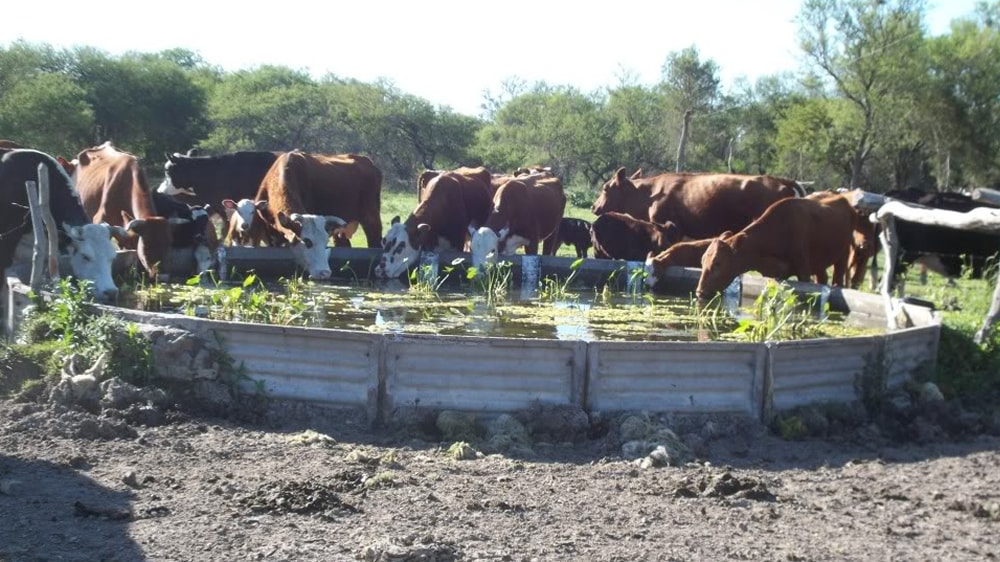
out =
column 681, row 254
column 305, row 198
column 701, row 205
column 864, row 243
column 207, row 180
column 624, row 237
column 114, row 189
column 575, row 232
column 194, row 231
column 90, row 246
column 794, row 236
column 452, row 202
column 523, row 214
column 9, row 144
column 426, row 176
column 940, row 248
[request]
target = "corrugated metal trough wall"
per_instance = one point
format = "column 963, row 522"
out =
column 384, row 373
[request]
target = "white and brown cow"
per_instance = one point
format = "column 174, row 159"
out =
column 451, row 203
column 524, row 214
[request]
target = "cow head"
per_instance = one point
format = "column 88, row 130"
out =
column 91, row 254
column 614, row 194
column 177, row 176
column 401, row 248
column 308, row 235
column 665, row 235
column 243, row 214
column 719, row 266
column 155, row 237
column 485, row 244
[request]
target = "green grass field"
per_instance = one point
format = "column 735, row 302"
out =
column 402, row 203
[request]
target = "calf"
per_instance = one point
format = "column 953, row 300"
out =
column 798, row 236
column 624, row 237
column 575, row 232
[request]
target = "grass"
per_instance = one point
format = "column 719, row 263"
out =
column 402, row 203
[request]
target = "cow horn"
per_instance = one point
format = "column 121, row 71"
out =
column 335, row 220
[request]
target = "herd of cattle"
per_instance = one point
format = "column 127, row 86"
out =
column 725, row 224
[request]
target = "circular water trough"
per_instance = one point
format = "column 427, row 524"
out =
column 391, row 375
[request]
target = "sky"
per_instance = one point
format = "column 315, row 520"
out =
column 445, row 51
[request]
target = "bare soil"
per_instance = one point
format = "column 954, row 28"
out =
column 148, row 485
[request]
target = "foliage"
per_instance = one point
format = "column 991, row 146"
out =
column 777, row 315
column 67, row 324
column 493, row 280
column 553, row 289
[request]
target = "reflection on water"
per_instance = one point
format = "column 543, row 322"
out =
column 392, row 308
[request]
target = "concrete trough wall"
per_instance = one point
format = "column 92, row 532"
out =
column 387, row 373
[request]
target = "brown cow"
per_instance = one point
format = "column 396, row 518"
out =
column 452, row 202
column 864, row 244
column 305, row 198
column 113, row 189
column 701, row 205
column 427, row 175
column 800, row 237
column 524, row 213
column 624, row 237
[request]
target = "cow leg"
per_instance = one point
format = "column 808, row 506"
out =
column 531, row 248
column 372, row 228
column 821, row 277
column 581, row 251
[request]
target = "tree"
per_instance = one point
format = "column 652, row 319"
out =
column 868, row 50
column 47, row 112
column 962, row 105
column 692, row 88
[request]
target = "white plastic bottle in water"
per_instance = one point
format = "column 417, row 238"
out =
column 530, row 268
column 732, row 295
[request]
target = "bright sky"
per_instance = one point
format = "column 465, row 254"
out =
column 447, row 51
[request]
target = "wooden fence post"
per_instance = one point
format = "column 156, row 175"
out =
column 51, row 229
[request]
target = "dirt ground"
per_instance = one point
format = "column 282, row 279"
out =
column 144, row 484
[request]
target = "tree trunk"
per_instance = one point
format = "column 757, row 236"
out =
column 683, row 142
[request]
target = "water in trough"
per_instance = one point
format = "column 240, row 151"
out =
column 553, row 310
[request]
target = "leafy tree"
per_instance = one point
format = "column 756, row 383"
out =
column 868, row 51
column 962, row 106
column 46, row 111
column 692, row 88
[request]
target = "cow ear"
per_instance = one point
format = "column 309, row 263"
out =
column 636, row 174
column 229, row 203
column 127, row 217
column 620, row 174
column 261, row 205
column 394, row 220
column 137, row 226
column 83, row 158
column 72, row 231
column 726, row 234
